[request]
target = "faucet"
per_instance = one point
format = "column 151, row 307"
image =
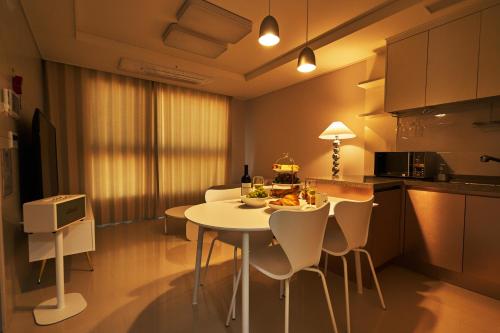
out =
column 487, row 158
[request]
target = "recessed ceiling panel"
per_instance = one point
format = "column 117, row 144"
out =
column 214, row 21
column 191, row 41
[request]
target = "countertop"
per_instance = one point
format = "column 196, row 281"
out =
column 382, row 183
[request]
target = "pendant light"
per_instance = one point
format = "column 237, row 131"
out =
column 269, row 31
column 307, row 59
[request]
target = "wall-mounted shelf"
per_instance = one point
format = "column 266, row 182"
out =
column 369, row 84
column 376, row 113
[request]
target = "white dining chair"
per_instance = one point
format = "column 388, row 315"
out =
column 233, row 238
column 350, row 234
column 300, row 235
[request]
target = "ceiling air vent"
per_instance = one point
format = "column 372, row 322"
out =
column 214, row 21
column 191, row 41
column 167, row 73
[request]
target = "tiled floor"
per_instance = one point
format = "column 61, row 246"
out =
column 143, row 282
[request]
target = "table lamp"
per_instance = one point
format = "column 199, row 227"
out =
column 336, row 131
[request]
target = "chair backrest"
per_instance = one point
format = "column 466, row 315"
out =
column 353, row 218
column 300, row 234
column 219, row 195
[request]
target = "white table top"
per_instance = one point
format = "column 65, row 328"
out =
column 236, row 216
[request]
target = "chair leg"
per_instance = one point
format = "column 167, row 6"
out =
column 282, row 286
column 346, row 289
column 327, row 296
column 208, row 261
column 326, row 263
column 42, row 269
column 375, row 279
column 165, row 226
column 233, row 299
column 235, row 272
column 287, row 305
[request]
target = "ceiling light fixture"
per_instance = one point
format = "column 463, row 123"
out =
column 269, row 31
column 307, row 59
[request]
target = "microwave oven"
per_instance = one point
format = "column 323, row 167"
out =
column 421, row 165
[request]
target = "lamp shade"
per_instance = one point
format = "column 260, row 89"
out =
column 269, row 34
column 307, row 61
column 337, row 129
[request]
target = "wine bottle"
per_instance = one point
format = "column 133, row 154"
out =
column 246, row 182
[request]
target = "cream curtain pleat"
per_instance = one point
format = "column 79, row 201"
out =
column 105, row 140
column 134, row 147
column 193, row 131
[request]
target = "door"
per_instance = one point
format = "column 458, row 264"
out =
column 406, row 71
column 482, row 238
column 453, row 61
column 434, row 228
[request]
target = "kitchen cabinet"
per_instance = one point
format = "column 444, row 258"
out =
column 482, row 238
column 453, row 57
column 434, row 228
column 384, row 235
column 489, row 53
column 406, row 73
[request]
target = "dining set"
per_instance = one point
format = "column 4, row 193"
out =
column 281, row 243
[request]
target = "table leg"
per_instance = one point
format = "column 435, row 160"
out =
column 197, row 265
column 359, row 278
column 245, row 288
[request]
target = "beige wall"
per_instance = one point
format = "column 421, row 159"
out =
column 19, row 55
column 291, row 119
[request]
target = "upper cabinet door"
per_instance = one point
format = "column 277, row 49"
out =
column 453, row 61
column 406, row 70
column 489, row 54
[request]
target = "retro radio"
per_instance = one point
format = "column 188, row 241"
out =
column 53, row 213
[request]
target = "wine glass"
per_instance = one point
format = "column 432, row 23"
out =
column 258, row 181
column 310, row 185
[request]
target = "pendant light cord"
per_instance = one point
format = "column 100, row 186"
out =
column 307, row 20
column 269, row 7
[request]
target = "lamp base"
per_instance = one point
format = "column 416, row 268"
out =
column 336, row 158
column 47, row 313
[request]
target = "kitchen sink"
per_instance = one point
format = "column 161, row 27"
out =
column 476, row 180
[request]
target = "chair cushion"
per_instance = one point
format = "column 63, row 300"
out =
column 334, row 241
column 271, row 261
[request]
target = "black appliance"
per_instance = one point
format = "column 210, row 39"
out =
column 408, row 164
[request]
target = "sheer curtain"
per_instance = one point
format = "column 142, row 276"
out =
column 193, row 134
column 105, row 140
column 134, row 147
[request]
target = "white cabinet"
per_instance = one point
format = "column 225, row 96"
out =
column 406, row 73
column 453, row 61
column 78, row 237
column 489, row 53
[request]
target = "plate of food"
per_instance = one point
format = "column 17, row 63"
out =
column 256, row 198
column 288, row 202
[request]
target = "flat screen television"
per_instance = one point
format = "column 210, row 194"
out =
column 44, row 182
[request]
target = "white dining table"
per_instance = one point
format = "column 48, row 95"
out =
column 233, row 215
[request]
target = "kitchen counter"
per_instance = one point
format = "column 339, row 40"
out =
column 384, row 183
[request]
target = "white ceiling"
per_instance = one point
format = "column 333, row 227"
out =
column 97, row 33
